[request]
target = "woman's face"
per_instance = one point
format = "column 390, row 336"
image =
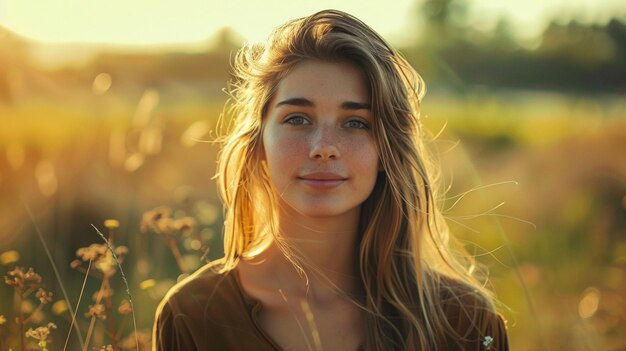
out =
column 318, row 142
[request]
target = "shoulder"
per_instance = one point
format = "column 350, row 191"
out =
column 204, row 294
column 205, row 308
column 472, row 317
column 200, row 287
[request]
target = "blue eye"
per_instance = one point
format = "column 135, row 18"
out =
column 355, row 123
column 296, row 120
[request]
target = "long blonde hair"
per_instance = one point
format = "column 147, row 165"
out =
column 406, row 260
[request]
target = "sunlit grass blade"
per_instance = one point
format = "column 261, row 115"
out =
column 130, row 299
column 507, row 244
column 80, row 296
column 54, row 266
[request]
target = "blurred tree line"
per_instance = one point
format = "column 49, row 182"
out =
column 451, row 54
column 572, row 57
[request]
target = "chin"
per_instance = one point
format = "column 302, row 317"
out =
column 324, row 211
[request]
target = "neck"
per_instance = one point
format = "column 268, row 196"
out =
column 325, row 248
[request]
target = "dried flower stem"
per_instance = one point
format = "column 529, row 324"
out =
column 92, row 323
column 29, row 291
column 111, row 236
column 179, row 259
column 89, row 332
column 109, row 312
column 28, row 319
column 20, row 320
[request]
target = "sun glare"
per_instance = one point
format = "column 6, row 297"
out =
column 158, row 22
column 167, row 23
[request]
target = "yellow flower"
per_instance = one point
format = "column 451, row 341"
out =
column 59, row 307
column 2, row 319
column 111, row 223
column 9, row 257
column 146, row 284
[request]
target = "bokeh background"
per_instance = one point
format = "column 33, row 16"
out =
column 109, row 110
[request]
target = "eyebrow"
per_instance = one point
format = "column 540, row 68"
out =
column 348, row 105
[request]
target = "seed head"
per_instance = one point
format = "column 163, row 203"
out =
column 20, row 279
column 125, row 307
column 97, row 311
column 43, row 296
column 40, row 333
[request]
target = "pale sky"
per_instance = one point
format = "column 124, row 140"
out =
column 192, row 21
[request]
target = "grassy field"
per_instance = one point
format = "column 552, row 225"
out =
column 544, row 178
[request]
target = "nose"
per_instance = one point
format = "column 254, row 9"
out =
column 325, row 144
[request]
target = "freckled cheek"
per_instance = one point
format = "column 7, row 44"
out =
column 281, row 153
column 363, row 153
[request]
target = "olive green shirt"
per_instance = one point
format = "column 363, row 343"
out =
column 210, row 311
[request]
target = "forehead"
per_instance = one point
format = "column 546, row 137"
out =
column 324, row 80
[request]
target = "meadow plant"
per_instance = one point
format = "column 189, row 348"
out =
column 160, row 221
column 105, row 258
column 107, row 321
column 25, row 283
column 41, row 335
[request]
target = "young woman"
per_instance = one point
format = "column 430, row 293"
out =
column 333, row 239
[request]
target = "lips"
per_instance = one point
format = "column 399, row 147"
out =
column 322, row 180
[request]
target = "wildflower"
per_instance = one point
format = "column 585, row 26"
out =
column 487, row 342
column 97, row 311
column 102, row 257
column 92, row 252
column 107, row 348
column 20, row 279
column 185, row 225
column 160, row 222
column 111, row 224
column 121, row 251
column 125, row 307
column 106, row 264
column 43, row 296
column 59, row 307
column 27, row 306
column 165, row 226
column 150, row 218
column 41, row 334
column 147, row 284
column 9, row 257
column 2, row 319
